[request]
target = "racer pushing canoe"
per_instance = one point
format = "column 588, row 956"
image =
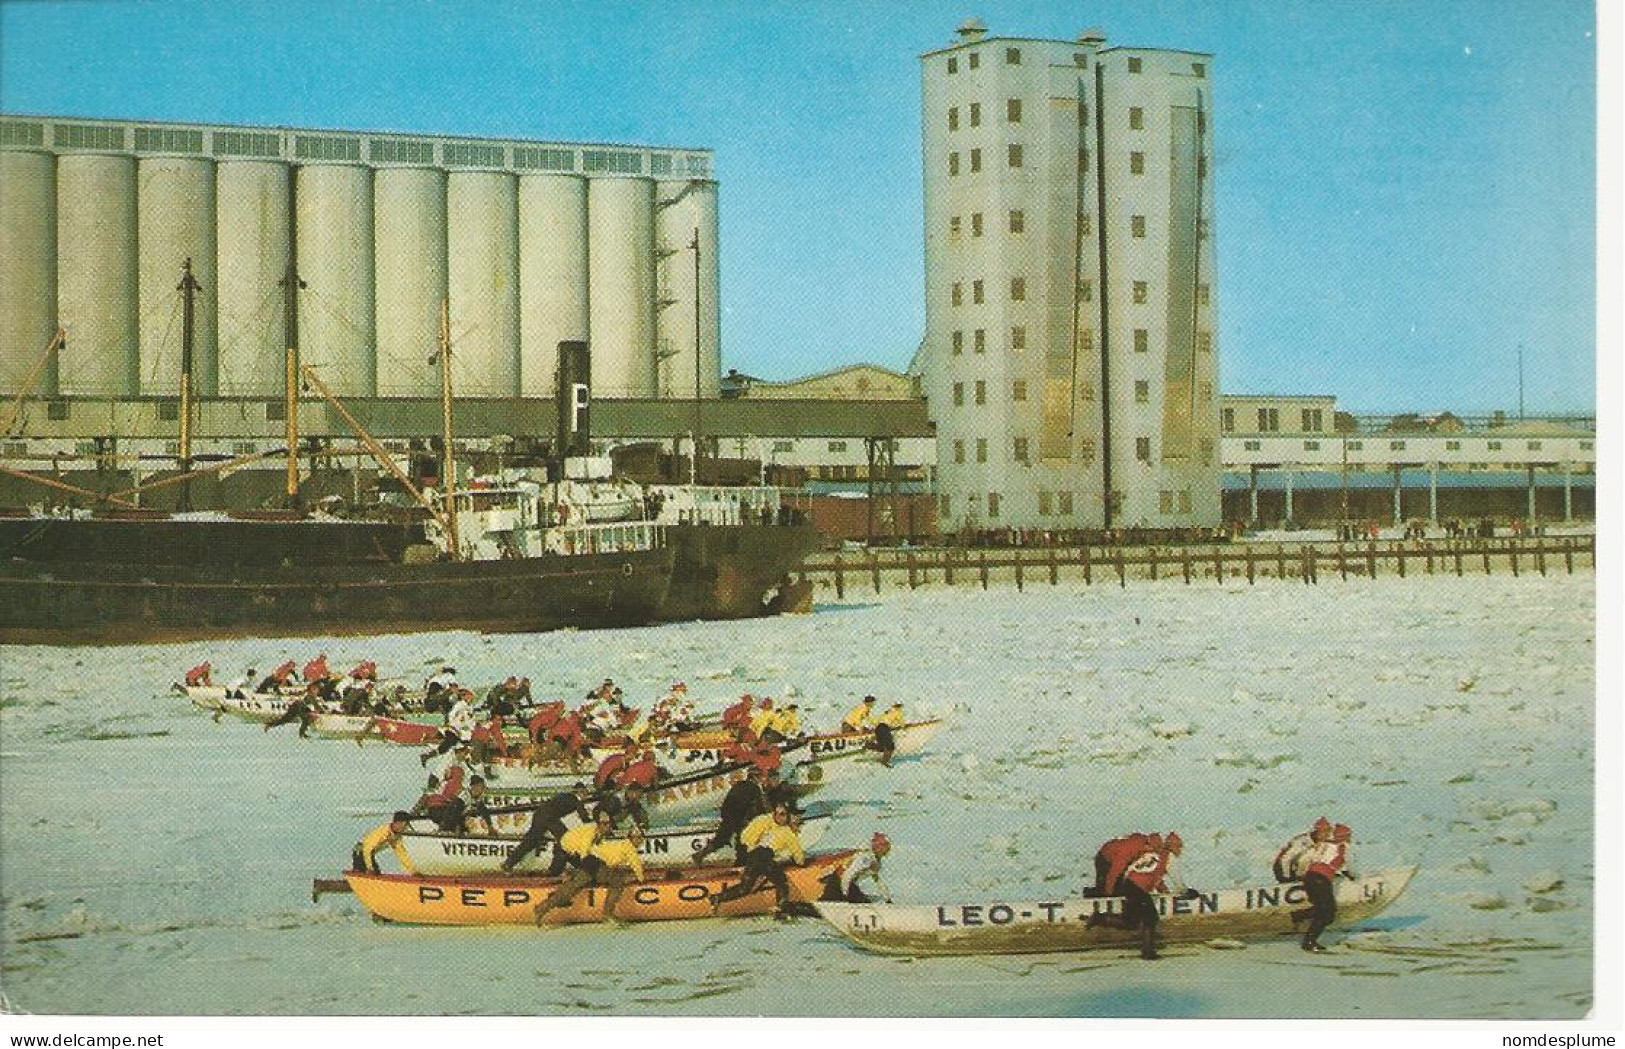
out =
column 1313, row 889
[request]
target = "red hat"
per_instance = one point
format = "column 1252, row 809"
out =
column 767, row 704
column 1153, row 842
column 1172, row 842
column 880, row 844
column 1323, row 824
column 1341, row 833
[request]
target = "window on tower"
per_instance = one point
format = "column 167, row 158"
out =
column 1142, row 449
column 1204, row 293
column 1019, row 449
column 953, row 163
column 1142, row 340
column 953, row 118
column 953, row 226
column 959, row 394
column 979, row 340
column 1228, row 419
column 953, row 66
column 1199, row 69
column 1142, row 291
column 1136, row 118
column 981, row 449
column 1018, row 390
column 1018, row 289
column 1134, row 65
column 1015, row 154
column 976, row 114
column 959, row 451
column 975, row 160
column 976, row 224
column 975, row 59
column 1012, row 111
column 1018, row 221
column 958, row 343
column 1142, row 392
column 1136, row 163
column 1018, row 338
column 1136, row 226
column 981, row 391
column 1012, row 56
column 976, row 292
column 992, row 504
column 958, row 293
column 1086, row 290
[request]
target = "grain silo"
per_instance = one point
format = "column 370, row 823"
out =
column 483, row 253
column 175, row 222
column 96, row 274
column 27, row 268
column 334, row 244
column 553, row 275
column 686, row 209
column 409, row 236
column 621, row 285
column 253, row 240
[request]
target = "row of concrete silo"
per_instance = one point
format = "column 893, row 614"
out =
column 95, row 242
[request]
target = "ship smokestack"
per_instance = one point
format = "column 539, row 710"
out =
column 574, row 398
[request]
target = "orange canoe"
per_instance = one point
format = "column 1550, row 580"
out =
column 662, row 896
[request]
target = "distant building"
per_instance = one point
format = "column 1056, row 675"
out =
column 855, row 382
column 1069, row 355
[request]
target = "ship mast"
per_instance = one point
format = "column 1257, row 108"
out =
column 448, row 463
column 187, row 287
column 694, row 460
column 290, row 405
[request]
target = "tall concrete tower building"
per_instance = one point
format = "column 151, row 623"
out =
column 1069, row 354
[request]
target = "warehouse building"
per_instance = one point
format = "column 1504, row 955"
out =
column 1069, row 357
column 529, row 243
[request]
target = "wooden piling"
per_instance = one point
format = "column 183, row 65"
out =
column 1342, row 562
column 1249, row 566
column 1185, row 563
column 1540, row 556
column 1568, row 556
column 1430, row 559
column 1484, row 548
column 1122, row 569
column 1512, row 548
column 840, row 580
column 874, row 570
column 1088, row 570
column 1218, row 566
column 984, row 569
column 948, row 567
column 1371, row 559
column 1458, row 557
column 913, row 579
column 1399, row 556
column 1054, row 568
column 1019, row 560
column 1280, row 561
column 1153, row 559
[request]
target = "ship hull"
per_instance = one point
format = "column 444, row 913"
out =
column 67, row 604
column 127, row 582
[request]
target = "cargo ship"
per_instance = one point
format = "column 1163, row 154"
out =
column 568, row 546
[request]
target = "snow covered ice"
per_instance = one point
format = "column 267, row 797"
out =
column 156, row 862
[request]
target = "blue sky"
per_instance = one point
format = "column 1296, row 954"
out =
column 1405, row 190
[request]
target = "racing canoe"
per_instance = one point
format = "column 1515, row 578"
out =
column 664, row 895
column 992, row 926
column 442, row 855
column 515, row 772
column 669, row 801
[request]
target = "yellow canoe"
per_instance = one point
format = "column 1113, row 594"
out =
column 662, row 896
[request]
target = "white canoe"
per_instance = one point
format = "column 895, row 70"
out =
column 437, row 854
column 211, row 697
column 517, row 774
column 672, row 801
column 837, row 758
column 258, row 708
column 995, row 926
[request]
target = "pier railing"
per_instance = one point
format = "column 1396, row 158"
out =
column 1308, row 563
